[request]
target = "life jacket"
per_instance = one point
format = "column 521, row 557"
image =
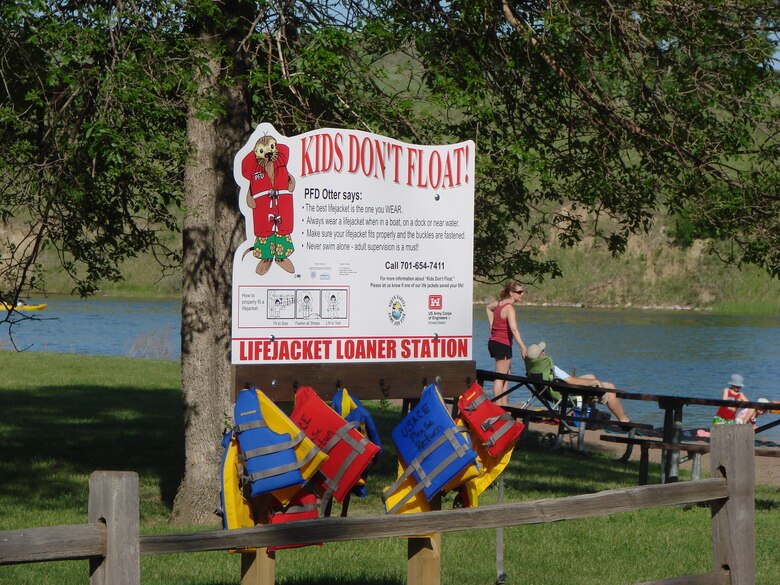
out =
column 541, row 369
column 433, row 450
column 303, row 506
column 352, row 410
column 278, row 458
column 407, row 497
column 495, row 428
column 236, row 508
column 349, row 452
column 489, row 469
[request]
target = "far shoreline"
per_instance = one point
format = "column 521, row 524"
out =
column 597, row 306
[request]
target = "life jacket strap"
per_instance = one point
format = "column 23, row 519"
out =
column 453, row 456
column 358, row 447
column 279, row 470
column 299, row 509
column 258, row 423
column 449, row 435
column 472, row 406
column 503, row 429
column 343, row 435
column 269, row 449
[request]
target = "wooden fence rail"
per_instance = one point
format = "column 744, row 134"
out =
column 112, row 542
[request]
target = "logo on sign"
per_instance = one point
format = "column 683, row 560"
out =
column 435, row 302
column 397, row 312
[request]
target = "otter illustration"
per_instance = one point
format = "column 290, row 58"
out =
column 271, row 201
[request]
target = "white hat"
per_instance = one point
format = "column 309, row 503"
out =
column 535, row 350
column 736, row 380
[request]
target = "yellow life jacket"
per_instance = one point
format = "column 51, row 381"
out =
column 236, row 508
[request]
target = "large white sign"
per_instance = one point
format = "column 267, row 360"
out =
column 359, row 248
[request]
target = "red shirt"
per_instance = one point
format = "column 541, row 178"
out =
column 729, row 412
column 500, row 332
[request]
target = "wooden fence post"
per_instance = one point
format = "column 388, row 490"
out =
column 258, row 567
column 113, row 500
column 424, row 560
column 733, row 520
column 423, row 564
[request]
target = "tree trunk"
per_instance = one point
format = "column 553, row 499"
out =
column 212, row 229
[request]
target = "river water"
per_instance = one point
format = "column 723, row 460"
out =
column 658, row 352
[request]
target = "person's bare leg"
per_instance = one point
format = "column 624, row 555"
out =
column 502, row 367
column 614, row 404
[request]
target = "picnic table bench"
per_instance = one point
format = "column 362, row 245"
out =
column 673, row 421
column 694, row 452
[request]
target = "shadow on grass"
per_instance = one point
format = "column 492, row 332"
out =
column 534, row 468
column 319, row 581
column 356, row 581
column 764, row 505
column 565, row 471
column 53, row 436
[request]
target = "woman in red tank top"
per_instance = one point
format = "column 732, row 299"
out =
column 503, row 329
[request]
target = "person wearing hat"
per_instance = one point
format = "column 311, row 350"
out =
column 728, row 414
column 503, row 330
column 537, row 361
column 749, row 415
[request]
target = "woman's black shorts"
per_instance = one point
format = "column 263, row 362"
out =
column 499, row 351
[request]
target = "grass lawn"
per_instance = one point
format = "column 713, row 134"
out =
column 64, row 416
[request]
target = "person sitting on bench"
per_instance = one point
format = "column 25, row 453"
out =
column 538, row 362
column 749, row 415
column 728, row 414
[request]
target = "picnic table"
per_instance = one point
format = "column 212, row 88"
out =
column 694, row 452
column 672, row 433
column 566, row 422
column 672, row 436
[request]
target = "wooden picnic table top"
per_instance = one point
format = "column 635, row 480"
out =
column 592, row 422
column 668, row 400
column 671, row 404
column 663, row 400
column 554, row 384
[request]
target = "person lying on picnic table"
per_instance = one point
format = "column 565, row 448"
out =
column 538, row 362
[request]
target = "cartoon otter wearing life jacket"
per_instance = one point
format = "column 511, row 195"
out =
column 271, row 201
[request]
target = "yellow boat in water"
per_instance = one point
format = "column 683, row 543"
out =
column 25, row 307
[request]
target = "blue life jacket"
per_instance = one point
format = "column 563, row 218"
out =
column 272, row 459
column 432, row 447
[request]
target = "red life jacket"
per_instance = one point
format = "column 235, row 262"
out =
column 349, row 452
column 494, row 426
column 303, row 506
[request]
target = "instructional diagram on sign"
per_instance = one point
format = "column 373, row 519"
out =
column 356, row 241
column 261, row 306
